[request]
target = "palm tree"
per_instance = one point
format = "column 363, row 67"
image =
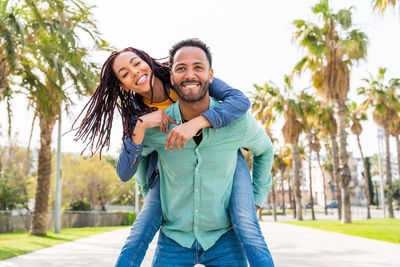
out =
column 328, row 127
column 356, row 116
column 53, row 67
column 11, row 43
column 310, row 106
column 331, row 49
column 281, row 165
column 273, row 184
column 385, row 103
column 272, row 103
column 316, row 147
column 394, row 130
column 381, row 5
column 291, row 132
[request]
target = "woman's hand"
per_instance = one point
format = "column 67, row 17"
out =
column 157, row 118
column 182, row 133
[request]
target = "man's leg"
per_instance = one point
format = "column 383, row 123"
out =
column 143, row 230
column 225, row 252
column 171, row 254
column 244, row 218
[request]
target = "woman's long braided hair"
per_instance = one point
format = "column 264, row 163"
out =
column 95, row 128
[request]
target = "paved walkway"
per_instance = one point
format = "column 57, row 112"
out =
column 290, row 246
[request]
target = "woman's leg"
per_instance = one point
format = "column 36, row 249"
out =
column 244, row 218
column 143, row 230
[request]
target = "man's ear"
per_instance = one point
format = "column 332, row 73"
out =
column 171, row 78
column 210, row 75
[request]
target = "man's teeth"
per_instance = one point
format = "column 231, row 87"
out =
column 141, row 79
column 190, row 85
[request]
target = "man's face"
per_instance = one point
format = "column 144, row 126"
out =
column 191, row 73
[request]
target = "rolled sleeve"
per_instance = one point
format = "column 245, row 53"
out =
column 128, row 160
column 261, row 146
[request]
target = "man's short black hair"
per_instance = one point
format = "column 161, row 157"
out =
column 194, row 42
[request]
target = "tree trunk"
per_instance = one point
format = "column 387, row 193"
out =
column 323, row 182
column 283, row 193
column 291, row 197
column 39, row 215
column 398, row 156
column 297, row 182
column 309, row 173
column 366, row 184
column 344, row 171
column 335, row 159
column 273, row 200
column 389, row 187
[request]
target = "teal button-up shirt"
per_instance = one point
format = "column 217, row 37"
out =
column 196, row 182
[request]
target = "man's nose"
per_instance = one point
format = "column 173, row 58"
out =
column 189, row 74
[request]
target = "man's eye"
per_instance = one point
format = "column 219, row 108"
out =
column 198, row 67
column 180, row 68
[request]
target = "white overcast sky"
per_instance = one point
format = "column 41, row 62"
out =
column 251, row 42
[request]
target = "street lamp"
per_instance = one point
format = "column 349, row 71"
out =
column 57, row 196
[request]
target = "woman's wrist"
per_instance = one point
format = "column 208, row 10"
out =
column 138, row 132
column 200, row 122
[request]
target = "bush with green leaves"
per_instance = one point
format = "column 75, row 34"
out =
column 81, row 205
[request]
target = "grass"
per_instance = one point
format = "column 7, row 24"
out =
column 14, row 244
column 379, row 229
column 287, row 211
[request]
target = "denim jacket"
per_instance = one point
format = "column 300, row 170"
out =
column 234, row 105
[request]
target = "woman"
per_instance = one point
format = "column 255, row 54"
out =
column 142, row 87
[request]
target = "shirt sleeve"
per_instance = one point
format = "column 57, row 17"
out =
column 128, row 160
column 143, row 166
column 260, row 145
column 234, row 104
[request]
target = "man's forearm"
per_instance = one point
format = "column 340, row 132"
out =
column 262, row 180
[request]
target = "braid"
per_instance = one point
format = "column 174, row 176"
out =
column 95, row 128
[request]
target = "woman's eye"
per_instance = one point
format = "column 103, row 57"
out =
column 137, row 63
column 124, row 75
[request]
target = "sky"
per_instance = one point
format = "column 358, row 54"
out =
column 251, row 42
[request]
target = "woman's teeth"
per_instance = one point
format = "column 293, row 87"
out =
column 141, row 80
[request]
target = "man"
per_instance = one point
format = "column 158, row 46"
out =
column 196, row 181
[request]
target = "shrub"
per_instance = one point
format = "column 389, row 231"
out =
column 80, row 204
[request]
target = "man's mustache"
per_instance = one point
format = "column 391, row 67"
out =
column 190, row 81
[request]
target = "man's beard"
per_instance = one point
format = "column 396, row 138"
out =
column 192, row 97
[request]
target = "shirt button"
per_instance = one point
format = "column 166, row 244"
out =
column 195, row 228
column 137, row 150
column 197, row 211
column 197, row 190
column 197, row 169
column 197, row 149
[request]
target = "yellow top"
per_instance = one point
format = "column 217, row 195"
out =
column 163, row 105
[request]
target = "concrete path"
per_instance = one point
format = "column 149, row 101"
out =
column 290, row 246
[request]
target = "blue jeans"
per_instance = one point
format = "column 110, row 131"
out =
column 244, row 217
column 242, row 214
column 143, row 229
column 225, row 252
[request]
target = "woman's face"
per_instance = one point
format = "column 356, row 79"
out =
column 133, row 73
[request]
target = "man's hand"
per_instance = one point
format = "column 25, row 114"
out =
column 257, row 208
column 182, row 133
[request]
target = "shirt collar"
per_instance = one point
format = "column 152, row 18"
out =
column 177, row 112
